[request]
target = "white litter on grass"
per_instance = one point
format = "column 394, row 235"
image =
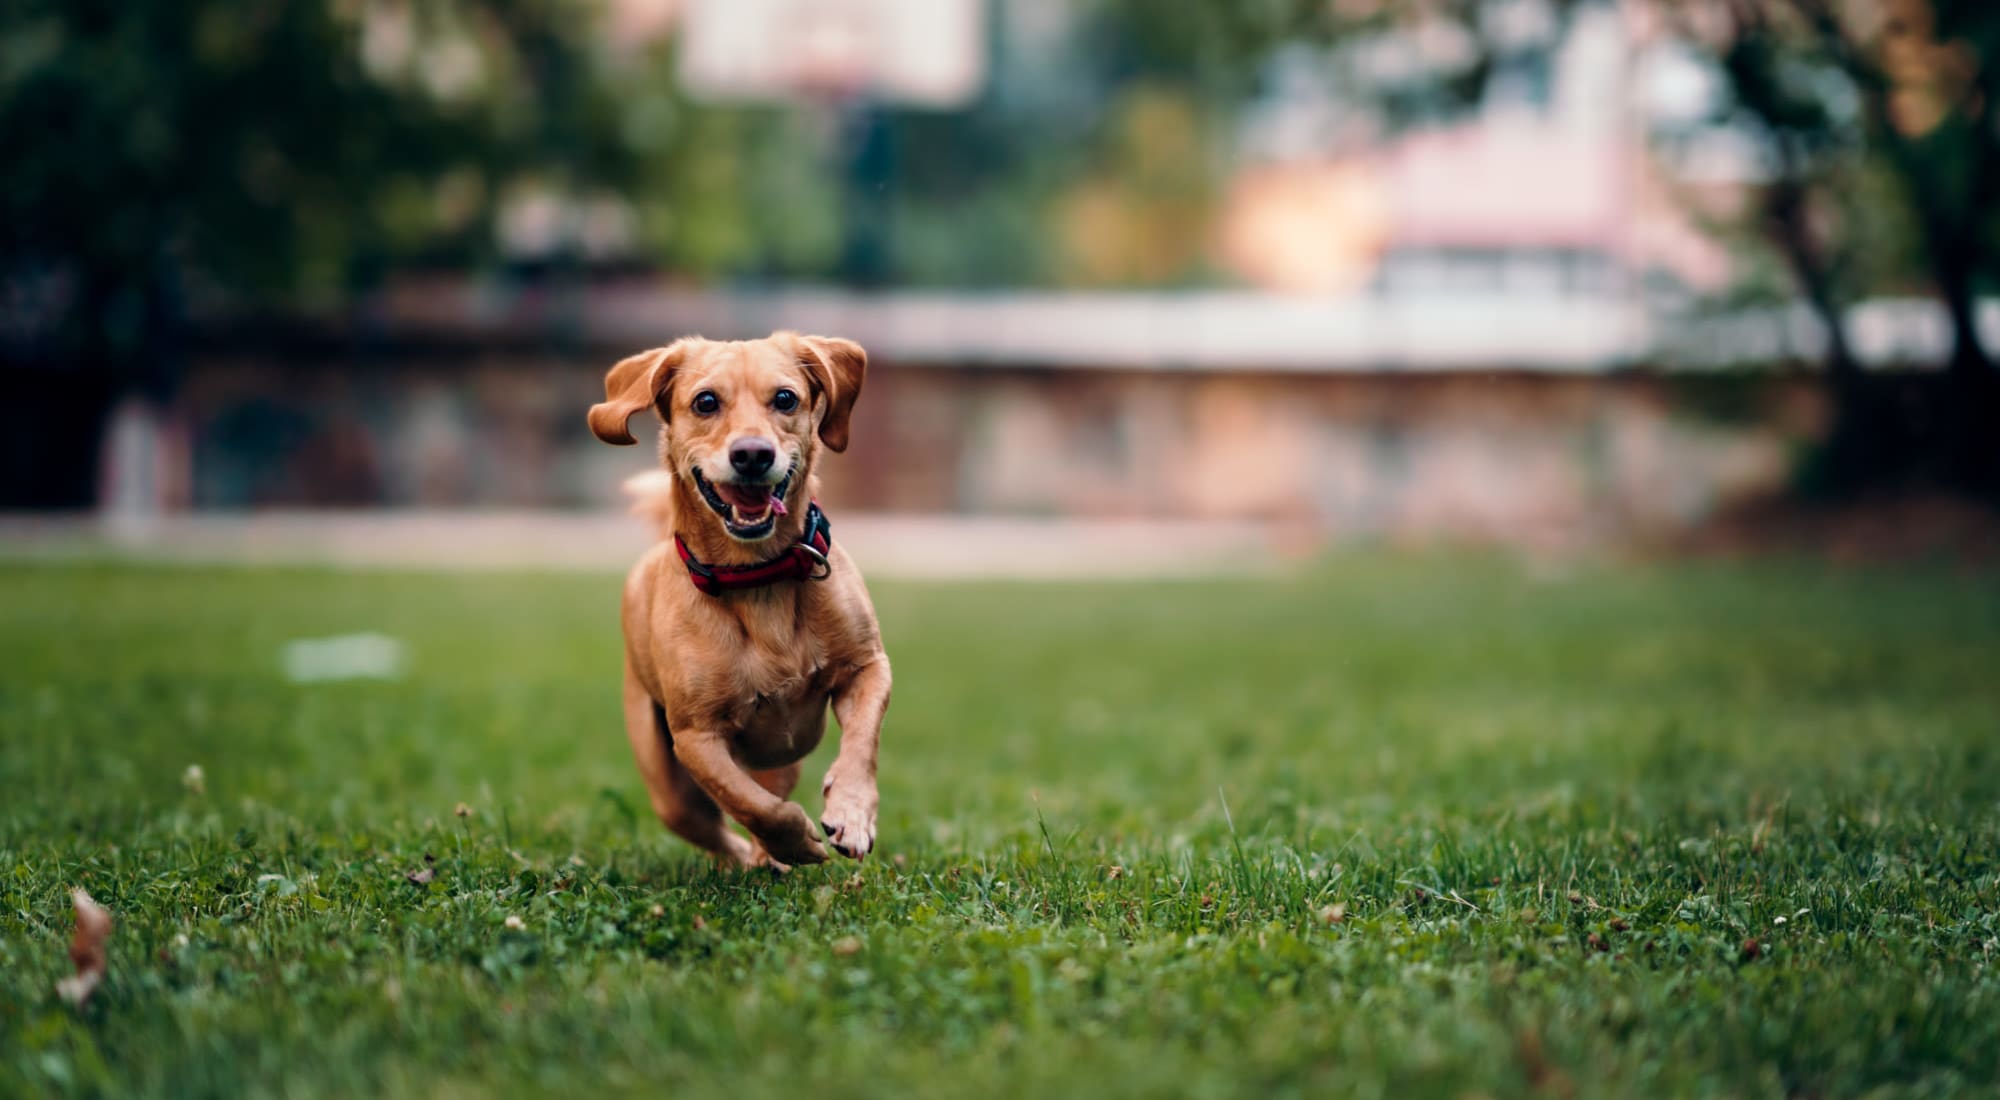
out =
column 343, row 657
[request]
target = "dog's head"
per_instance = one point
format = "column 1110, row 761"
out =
column 744, row 420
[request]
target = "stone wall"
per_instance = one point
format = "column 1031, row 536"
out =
column 1506, row 456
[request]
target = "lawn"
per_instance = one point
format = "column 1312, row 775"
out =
column 1392, row 827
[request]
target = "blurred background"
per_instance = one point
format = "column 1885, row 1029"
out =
column 1264, row 274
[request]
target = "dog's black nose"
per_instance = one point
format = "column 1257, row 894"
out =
column 753, row 456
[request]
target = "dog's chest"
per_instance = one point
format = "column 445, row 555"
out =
column 779, row 706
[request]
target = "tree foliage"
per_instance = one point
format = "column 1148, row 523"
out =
column 1843, row 94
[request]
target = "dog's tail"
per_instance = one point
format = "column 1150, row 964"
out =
column 652, row 496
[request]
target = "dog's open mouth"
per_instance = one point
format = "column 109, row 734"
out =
column 749, row 511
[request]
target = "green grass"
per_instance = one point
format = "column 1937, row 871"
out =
column 1115, row 819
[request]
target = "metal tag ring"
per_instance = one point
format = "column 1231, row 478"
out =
column 822, row 568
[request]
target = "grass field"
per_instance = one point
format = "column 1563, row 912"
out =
column 1429, row 827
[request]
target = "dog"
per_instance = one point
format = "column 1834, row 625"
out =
column 746, row 621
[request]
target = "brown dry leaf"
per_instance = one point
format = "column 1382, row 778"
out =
column 86, row 949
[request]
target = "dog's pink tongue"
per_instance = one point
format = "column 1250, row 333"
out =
column 778, row 504
column 750, row 502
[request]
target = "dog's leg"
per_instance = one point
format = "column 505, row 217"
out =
column 849, row 790
column 778, row 781
column 677, row 799
column 782, row 827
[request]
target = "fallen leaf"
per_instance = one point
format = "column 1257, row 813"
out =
column 86, row 949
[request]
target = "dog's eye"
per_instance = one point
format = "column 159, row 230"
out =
column 784, row 401
column 706, row 403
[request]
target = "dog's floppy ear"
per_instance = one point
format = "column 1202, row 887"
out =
column 837, row 367
column 634, row 385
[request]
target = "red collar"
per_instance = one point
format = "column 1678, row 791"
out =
column 805, row 560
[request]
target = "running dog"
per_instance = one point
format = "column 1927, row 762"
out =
column 747, row 621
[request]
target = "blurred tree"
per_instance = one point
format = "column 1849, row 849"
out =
column 260, row 152
column 1142, row 215
column 1812, row 154
column 1842, row 94
column 1928, row 78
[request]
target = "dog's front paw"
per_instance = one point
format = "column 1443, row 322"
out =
column 764, row 861
column 849, row 817
column 788, row 837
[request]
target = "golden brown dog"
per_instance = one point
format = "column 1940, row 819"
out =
column 744, row 623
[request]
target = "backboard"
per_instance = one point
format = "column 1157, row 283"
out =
column 918, row 53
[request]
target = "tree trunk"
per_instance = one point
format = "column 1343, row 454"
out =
column 1968, row 351
column 1857, row 450
column 1972, row 422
